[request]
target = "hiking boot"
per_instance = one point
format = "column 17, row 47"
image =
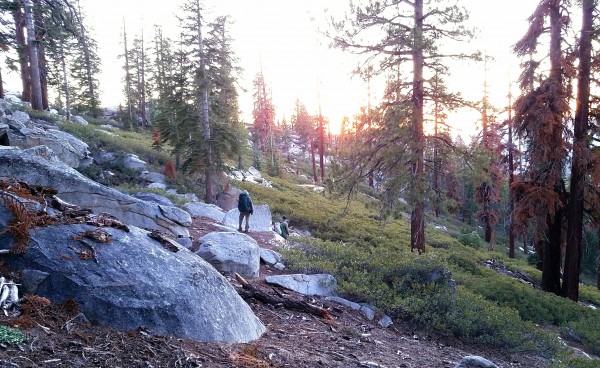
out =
column 240, row 229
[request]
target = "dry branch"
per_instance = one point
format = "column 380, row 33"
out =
column 250, row 292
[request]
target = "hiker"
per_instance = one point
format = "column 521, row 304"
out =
column 245, row 208
column 283, row 226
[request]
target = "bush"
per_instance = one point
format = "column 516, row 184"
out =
column 471, row 239
column 11, row 336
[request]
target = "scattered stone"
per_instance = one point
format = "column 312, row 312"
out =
column 350, row 304
column 231, row 252
column 269, row 256
column 191, row 197
column 79, row 120
column 317, row 284
column 279, row 266
column 133, row 162
column 199, row 209
column 157, row 186
column 153, row 177
column 385, row 321
column 368, row 311
column 255, row 173
column 17, row 119
column 104, row 158
column 186, row 242
column 474, row 361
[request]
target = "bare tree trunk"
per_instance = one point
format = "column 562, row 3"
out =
column 36, row 88
column 88, row 67
column 143, row 85
column 370, row 177
column 570, row 287
column 321, row 146
column 436, row 164
column 551, row 255
column 314, row 165
column 511, row 179
column 39, row 29
column 65, row 83
column 128, row 75
column 22, row 51
column 204, row 116
column 417, row 221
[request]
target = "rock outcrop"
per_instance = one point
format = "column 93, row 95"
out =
column 199, row 209
column 131, row 282
column 75, row 188
column 231, row 253
column 24, row 132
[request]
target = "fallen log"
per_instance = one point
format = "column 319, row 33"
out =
column 250, row 292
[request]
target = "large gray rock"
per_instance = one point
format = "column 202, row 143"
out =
column 261, row 220
column 318, row 284
column 17, row 119
column 231, row 252
column 104, row 157
column 135, row 283
column 153, row 177
column 67, row 148
column 474, row 361
column 77, row 189
column 198, row 209
column 270, row 256
column 79, row 120
column 151, row 197
column 133, row 162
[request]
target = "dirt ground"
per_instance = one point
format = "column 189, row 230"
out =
column 58, row 336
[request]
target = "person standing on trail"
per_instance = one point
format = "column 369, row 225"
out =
column 283, row 226
column 245, row 208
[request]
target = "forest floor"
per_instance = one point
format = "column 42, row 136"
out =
column 58, row 337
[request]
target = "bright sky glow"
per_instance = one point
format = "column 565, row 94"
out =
column 283, row 34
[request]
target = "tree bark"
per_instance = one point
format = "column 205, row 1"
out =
column 22, row 51
column 32, row 49
column 511, row 180
column 39, row 36
column 570, row 287
column 66, row 83
column 143, row 85
column 321, row 146
column 551, row 255
column 204, row 115
column 314, row 164
column 127, row 74
column 417, row 220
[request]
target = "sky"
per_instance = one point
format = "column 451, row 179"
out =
column 283, row 36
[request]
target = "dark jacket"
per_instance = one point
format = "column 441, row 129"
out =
column 245, row 203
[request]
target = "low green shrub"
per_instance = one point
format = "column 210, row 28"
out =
column 11, row 336
column 471, row 239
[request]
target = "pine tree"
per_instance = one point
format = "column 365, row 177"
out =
column 539, row 118
column 580, row 156
column 263, row 113
column 412, row 33
column 85, row 68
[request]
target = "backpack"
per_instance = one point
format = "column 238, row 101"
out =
column 244, row 204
